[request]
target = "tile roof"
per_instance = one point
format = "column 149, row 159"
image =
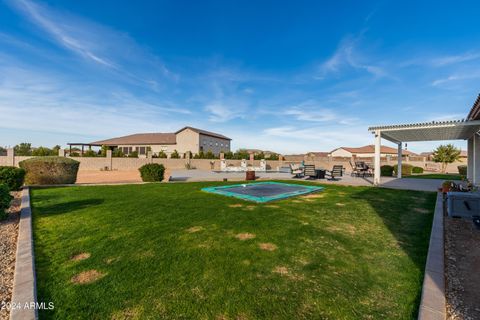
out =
column 371, row 149
column 140, row 139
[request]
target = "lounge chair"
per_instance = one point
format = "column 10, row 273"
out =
column 337, row 171
column 355, row 172
column 296, row 170
column 309, row 171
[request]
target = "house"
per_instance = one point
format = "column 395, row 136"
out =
column 366, row 152
column 187, row 139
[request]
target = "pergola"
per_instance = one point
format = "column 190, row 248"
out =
column 430, row 131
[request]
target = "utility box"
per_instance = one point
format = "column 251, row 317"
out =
column 463, row 204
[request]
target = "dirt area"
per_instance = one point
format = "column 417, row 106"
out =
column 8, row 247
column 462, row 263
column 97, row 176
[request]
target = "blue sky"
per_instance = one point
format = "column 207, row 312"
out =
column 290, row 77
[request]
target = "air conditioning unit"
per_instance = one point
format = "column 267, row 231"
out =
column 463, row 204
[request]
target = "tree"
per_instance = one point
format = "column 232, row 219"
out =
column 175, row 155
column 23, row 149
column 446, row 154
column 3, row 151
column 42, row 152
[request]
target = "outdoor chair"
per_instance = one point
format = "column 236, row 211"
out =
column 309, row 171
column 355, row 172
column 296, row 170
column 337, row 171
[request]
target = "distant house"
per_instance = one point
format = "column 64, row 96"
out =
column 184, row 140
column 258, row 151
column 366, row 152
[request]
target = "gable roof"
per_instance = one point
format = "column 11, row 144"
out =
column 371, row 149
column 204, row 132
column 474, row 113
column 140, row 139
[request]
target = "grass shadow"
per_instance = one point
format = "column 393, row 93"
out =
column 66, row 207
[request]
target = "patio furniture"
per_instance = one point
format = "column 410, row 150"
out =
column 309, row 171
column 296, row 170
column 355, row 172
column 337, row 171
column 250, row 175
column 320, row 173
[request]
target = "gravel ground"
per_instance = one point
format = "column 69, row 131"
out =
column 8, row 246
column 462, row 262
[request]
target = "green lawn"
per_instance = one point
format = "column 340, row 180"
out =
column 170, row 251
column 441, row 176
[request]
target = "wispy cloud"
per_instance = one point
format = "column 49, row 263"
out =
column 346, row 56
column 223, row 113
column 96, row 43
column 455, row 77
column 454, row 59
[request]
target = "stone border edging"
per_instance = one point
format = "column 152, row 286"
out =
column 24, row 296
column 433, row 302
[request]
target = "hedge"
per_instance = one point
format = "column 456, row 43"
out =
column 152, row 172
column 462, row 170
column 5, row 199
column 406, row 169
column 386, row 171
column 12, row 177
column 50, row 170
column 417, row 170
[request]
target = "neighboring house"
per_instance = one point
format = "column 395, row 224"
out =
column 184, row 140
column 258, row 151
column 366, row 152
column 318, row 154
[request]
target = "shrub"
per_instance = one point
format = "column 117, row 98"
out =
column 406, row 169
column 5, row 199
column 12, row 177
column 89, row 153
column 152, row 172
column 43, row 152
column 209, row 155
column 386, row 171
column 417, row 170
column 162, row 154
column 133, row 154
column 117, row 153
column 462, row 170
column 175, row 155
column 50, row 170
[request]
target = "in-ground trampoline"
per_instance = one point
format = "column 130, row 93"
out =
column 263, row 191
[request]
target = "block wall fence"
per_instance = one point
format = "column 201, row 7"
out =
column 128, row 164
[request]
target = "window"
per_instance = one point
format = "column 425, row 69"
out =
column 142, row 150
column 221, row 144
column 126, row 150
column 216, row 144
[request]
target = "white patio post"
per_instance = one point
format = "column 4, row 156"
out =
column 399, row 160
column 376, row 175
column 470, row 160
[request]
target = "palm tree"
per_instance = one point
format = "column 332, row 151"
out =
column 446, row 154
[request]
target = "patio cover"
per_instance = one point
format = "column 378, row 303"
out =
column 428, row 131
